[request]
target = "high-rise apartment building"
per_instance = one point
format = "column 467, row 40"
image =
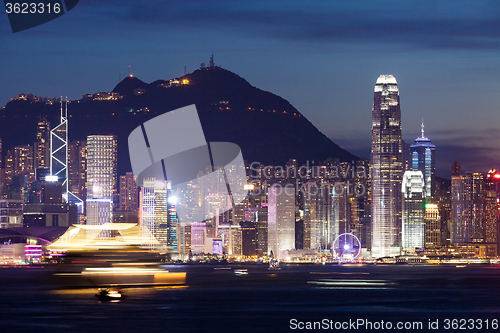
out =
column 387, row 168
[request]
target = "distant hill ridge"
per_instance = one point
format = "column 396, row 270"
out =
column 267, row 128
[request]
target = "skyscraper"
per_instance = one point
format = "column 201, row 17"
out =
column 413, row 211
column 467, row 205
column 281, row 219
column 459, row 232
column 101, row 178
column 432, row 226
column 77, row 168
column 129, row 193
column 42, row 144
column 154, row 212
column 318, row 216
column 59, row 150
column 423, row 158
column 492, row 207
column 387, row 168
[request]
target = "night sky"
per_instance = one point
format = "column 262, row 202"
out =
column 322, row 56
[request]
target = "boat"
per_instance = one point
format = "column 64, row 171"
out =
column 274, row 264
column 106, row 295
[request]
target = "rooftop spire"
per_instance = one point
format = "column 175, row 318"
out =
column 423, row 136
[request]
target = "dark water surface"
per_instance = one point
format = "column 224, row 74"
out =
column 32, row 300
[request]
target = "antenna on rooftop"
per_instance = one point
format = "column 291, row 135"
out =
column 212, row 63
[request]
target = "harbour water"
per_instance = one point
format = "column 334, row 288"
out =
column 217, row 298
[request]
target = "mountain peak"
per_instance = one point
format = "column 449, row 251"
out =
column 129, row 84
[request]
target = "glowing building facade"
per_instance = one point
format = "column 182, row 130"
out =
column 318, row 216
column 387, row 168
column 101, row 178
column 281, row 219
column 432, row 226
column 423, row 158
column 468, row 210
column 413, row 211
column 158, row 214
column 154, row 212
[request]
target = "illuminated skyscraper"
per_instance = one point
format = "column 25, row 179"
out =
column 154, row 212
column 413, row 211
column 77, row 168
column 387, row 168
column 423, row 158
column 467, row 205
column 59, row 150
column 42, row 144
column 459, row 232
column 101, row 178
column 129, row 194
column 318, row 216
column 281, row 219
column 492, row 207
column 432, row 226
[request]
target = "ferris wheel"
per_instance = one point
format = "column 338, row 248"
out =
column 346, row 247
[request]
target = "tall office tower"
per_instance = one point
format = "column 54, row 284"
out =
column 318, row 216
column 423, row 158
column 129, row 193
column 467, row 208
column 476, row 204
column 366, row 186
column 443, row 200
column 77, row 168
column 341, row 210
column 248, row 238
column 492, row 207
column 198, row 237
column 101, row 178
column 42, row 144
column 432, row 226
column 184, row 237
column 281, row 219
column 172, row 221
column 254, row 230
column 59, row 150
column 459, row 233
column 413, row 211
column 387, row 168
column 154, row 213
